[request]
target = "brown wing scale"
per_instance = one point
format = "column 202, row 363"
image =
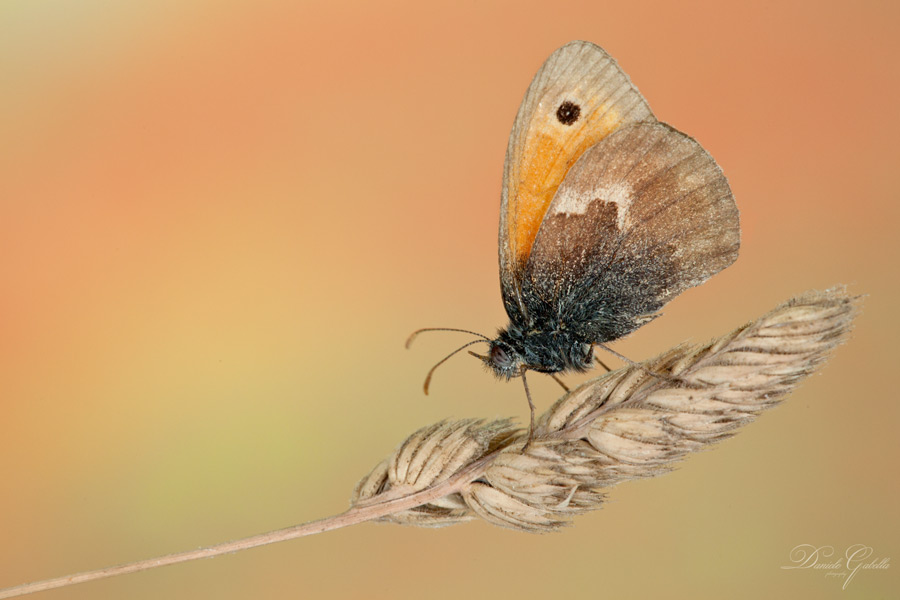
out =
column 642, row 216
column 578, row 97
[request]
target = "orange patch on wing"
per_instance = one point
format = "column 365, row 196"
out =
column 546, row 160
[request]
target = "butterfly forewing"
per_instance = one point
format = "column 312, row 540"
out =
column 642, row 216
column 578, row 97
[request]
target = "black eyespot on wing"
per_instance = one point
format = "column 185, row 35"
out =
column 568, row 112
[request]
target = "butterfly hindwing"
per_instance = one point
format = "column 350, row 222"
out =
column 642, row 216
column 578, row 97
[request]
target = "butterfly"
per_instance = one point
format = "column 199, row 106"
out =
column 606, row 215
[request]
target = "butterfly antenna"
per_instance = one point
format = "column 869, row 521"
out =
column 443, row 360
column 414, row 334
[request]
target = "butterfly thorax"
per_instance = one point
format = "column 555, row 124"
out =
column 517, row 349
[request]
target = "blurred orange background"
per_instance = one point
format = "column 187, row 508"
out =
column 219, row 222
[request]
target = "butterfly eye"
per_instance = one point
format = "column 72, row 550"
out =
column 499, row 357
column 568, row 112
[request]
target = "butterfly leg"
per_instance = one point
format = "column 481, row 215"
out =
column 560, row 381
column 661, row 376
column 602, row 364
column 621, row 357
column 531, row 406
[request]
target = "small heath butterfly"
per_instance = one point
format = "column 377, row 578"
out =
column 606, row 215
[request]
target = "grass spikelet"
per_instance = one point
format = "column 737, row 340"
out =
column 626, row 424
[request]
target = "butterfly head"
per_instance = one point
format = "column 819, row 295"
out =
column 504, row 360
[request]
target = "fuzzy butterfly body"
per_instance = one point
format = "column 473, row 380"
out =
column 606, row 215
